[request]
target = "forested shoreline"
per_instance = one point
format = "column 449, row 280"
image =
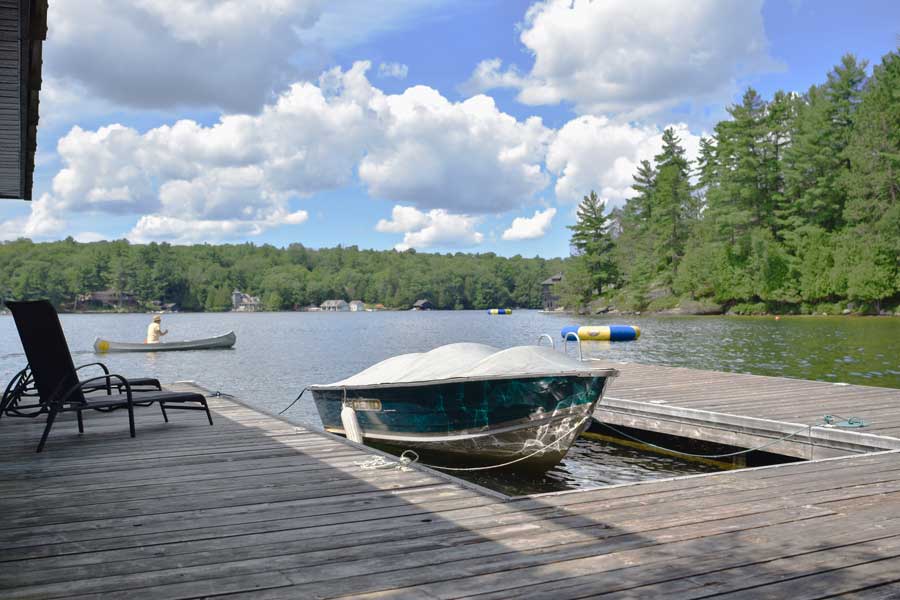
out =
column 791, row 206
column 202, row 277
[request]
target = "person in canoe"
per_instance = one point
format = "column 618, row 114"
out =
column 155, row 331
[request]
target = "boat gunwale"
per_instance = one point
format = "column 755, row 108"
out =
column 599, row 372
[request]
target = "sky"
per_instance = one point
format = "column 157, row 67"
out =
column 442, row 125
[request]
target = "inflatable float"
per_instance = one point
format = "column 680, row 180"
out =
column 603, row 333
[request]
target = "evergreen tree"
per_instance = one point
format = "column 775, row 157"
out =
column 817, row 161
column 873, row 181
column 592, row 240
column 674, row 205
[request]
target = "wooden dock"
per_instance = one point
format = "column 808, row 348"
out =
column 749, row 411
column 256, row 508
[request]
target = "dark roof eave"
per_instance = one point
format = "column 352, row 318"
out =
column 30, row 37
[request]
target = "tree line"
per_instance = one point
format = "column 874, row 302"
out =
column 202, row 277
column 792, row 205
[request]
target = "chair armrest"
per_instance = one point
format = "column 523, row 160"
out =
column 123, row 383
column 105, row 371
column 14, row 389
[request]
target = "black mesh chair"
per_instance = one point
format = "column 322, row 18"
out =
column 21, row 397
column 56, row 379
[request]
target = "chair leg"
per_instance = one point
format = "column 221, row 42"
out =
column 131, row 419
column 162, row 407
column 80, row 423
column 208, row 414
column 51, row 416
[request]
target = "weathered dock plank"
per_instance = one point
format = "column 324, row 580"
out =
column 255, row 507
column 752, row 410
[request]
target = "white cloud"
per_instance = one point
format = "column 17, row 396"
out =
column 86, row 237
column 244, row 171
column 437, row 227
column 392, row 69
column 594, row 153
column 633, row 58
column 233, row 54
column 189, row 231
column 467, row 157
column 403, row 219
column 241, row 172
column 529, row 228
column 41, row 222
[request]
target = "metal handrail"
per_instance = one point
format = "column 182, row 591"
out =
column 549, row 337
column 577, row 339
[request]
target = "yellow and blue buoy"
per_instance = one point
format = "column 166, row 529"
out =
column 499, row 311
column 603, row 333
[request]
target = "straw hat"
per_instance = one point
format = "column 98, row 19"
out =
column 157, row 319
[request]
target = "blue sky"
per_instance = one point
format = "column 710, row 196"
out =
column 442, row 126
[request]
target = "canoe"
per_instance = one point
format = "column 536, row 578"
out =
column 223, row 341
column 469, row 403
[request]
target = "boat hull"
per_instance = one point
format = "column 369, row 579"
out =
column 480, row 423
column 227, row 340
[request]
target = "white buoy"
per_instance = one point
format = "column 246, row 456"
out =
column 352, row 429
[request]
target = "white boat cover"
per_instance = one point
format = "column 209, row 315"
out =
column 468, row 361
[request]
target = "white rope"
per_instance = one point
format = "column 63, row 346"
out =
column 381, row 462
column 506, row 464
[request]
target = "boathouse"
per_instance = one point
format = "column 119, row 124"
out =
column 335, row 306
column 423, row 304
column 549, row 293
column 357, row 306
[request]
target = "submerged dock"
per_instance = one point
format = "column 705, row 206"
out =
column 255, row 507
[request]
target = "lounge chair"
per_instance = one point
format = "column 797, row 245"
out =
column 56, row 379
column 22, row 388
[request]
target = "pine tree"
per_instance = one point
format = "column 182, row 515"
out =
column 817, row 161
column 592, row 240
column 873, row 182
column 673, row 205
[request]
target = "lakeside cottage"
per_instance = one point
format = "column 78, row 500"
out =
column 335, row 306
column 105, row 299
column 357, row 306
column 549, row 297
column 242, row 302
column 423, row 305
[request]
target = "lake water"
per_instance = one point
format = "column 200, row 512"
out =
column 278, row 354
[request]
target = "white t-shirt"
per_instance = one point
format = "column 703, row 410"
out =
column 153, row 333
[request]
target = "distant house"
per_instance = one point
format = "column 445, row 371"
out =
column 549, row 295
column 164, row 306
column 379, row 306
column 242, row 302
column 106, row 299
column 357, row 306
column 423, row 305
column 335, row 306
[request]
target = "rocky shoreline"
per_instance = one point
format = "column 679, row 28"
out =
column 698, row 308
